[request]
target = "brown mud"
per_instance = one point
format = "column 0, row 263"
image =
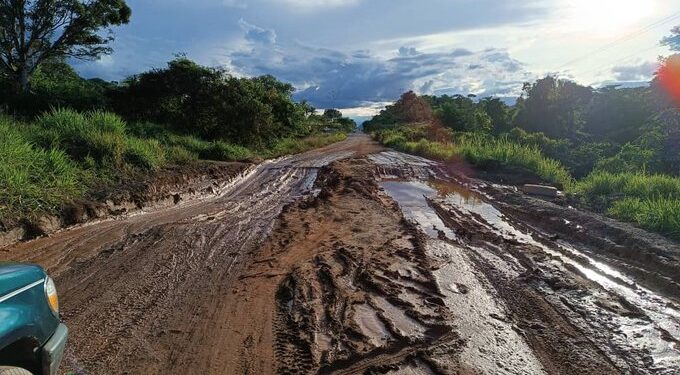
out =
column 355, row 260
column 167, row 187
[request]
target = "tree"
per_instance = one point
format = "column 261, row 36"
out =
column 499, row 113
column 617, row 114
column 33, row 31
column 553, row 106
column 210, row 103
column 332, row 114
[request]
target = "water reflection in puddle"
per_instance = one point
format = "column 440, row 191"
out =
column 411, row 197
column 662, row 318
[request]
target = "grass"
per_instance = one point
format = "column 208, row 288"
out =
column 289, row 146
column 63, row 154
column 650, row 201
column 661, row 215
column 479, row 150
column 33, row 180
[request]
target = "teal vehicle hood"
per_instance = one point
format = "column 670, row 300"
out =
column 24, row 310
column 14, row 276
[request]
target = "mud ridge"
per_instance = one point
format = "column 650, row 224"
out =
column 161, row 189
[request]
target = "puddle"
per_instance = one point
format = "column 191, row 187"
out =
column 640, row 334
column 410, row 195
column 648, row 335
column 400, row 321
column 491, row 346
column 371, row 326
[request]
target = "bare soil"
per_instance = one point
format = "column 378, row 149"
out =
column 352, row 259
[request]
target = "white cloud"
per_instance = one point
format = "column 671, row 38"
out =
column 331, row 78
column 317, row 4
column 636, row 72
column 238, row 4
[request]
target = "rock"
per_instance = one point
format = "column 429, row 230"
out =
column 542, row 190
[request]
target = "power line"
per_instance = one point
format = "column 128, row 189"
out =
column 612, row 63
column 624, row 38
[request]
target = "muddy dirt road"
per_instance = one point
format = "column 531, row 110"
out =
column 353, row 259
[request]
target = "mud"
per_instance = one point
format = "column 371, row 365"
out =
column 356, row 260
column 164, row 188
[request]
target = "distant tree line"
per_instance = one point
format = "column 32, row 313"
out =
column 610, row 128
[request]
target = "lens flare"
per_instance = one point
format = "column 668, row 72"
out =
column 669, row 77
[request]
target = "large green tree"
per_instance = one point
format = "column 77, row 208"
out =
column 34, row 31
column 553, row 106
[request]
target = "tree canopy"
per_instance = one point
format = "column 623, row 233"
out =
column 34, row 31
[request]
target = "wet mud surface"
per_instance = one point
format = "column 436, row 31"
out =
column 357, row 260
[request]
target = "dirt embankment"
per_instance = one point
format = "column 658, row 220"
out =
column 164, row 188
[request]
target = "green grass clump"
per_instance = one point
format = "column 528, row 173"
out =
column 97, row 135
column 661, row 215
column 179, row 155
column 600, row 187
column 145, row 153
column 287, row 146
column 218, row 150
column 482, row 151
column 32, row 180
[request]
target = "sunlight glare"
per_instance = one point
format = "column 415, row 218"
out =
column 607, row 17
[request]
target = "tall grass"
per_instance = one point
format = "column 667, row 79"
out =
column 32, row 180
column 660, row 215
column 482, row 151
column 599, row 188
column 289, row 146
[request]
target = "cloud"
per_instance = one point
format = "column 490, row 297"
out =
column 638, row 72
column 238, row 4
column 318, row 4
column 330, row 78
column 257, row 34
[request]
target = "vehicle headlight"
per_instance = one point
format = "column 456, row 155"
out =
column 51, row 293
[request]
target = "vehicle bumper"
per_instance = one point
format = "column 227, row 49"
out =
column 53, row 350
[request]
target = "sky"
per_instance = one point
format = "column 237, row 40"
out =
column 358, row 55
